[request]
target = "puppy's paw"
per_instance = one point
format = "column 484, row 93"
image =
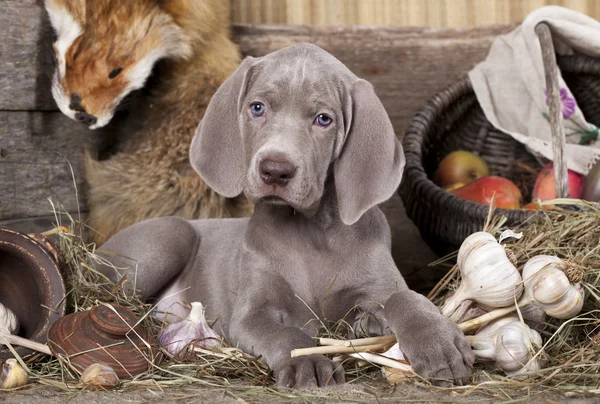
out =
column 309, row 371
column 439, row 351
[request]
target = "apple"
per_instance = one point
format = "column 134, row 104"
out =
column 535, row 205
column 506, row 194
column 460, row 166
column 544, row 184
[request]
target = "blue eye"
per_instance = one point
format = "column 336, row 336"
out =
column 257, row 108
column 323, row 120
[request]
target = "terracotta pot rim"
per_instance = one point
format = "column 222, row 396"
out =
column 44, row 262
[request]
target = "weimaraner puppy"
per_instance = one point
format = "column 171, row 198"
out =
column 312, row 146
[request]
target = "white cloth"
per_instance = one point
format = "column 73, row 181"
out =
column 511, row 88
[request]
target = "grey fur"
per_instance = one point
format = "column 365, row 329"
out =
column 320, row 241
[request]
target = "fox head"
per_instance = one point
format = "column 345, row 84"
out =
column 105, row 49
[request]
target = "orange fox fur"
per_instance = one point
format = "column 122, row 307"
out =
column 151, row 175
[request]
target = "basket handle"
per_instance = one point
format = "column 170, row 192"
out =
column 556, row 117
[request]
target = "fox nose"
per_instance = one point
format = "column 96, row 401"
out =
column 85, row 118
column 276, row 172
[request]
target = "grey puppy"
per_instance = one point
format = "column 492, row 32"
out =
column 312, row 146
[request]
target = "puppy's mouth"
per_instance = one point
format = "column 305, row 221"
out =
column 274, row 200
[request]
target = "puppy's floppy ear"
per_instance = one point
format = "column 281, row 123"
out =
column 370, row 165
column 216, row 152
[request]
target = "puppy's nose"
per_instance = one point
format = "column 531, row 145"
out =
column 276, row 172
column 85, row 118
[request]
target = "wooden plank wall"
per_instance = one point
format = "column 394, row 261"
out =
column 432, row 13
column 39, row 145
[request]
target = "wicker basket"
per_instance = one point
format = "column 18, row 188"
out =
column 453, row 120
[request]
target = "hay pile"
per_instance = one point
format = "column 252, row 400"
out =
column 572, row 346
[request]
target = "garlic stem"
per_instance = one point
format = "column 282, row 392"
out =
column 334, row 349
column 455, row 300
column 476, row 323
column 24, row 342
column 382, row 360
column 384, row 339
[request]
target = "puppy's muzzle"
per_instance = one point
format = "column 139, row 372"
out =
column 274, row 172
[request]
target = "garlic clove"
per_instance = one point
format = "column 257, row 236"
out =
column 9, row 323
column 12, row 375
column 570, row 305
column 550, row 285
column 471, row 243
column 516, row 345
column 180, row 337
column 100, row 376
column 484, row 341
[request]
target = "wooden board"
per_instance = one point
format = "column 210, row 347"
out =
column 406, row 66
column 35, row 151
column 25, row 56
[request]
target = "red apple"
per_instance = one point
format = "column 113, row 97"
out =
column 460, row 166
column 544, row 184
column 506, row 194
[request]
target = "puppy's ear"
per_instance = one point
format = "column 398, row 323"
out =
column 216, row 152
column 370, row 165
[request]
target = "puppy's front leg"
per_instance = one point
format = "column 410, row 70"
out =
column 431, row 342
column 262, row 334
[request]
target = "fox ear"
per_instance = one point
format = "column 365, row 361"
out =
column 66, row 17
column 216, row 152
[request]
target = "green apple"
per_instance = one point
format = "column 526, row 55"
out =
column 460, row 166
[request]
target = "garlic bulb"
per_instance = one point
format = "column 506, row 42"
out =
column 510, row 344
column 12, row 375
column 178, row 338
column 100, row 376
column 547, row 287
column 516, row 345
column 487, row 275
column 9, row 324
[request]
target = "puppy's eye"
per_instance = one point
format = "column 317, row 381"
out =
column 323, row 120
column 257, row 108
column 115, row 73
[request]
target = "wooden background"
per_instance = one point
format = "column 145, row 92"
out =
column 432, row 13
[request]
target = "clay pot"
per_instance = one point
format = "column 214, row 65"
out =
column 80, row 336
column 31, row 285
